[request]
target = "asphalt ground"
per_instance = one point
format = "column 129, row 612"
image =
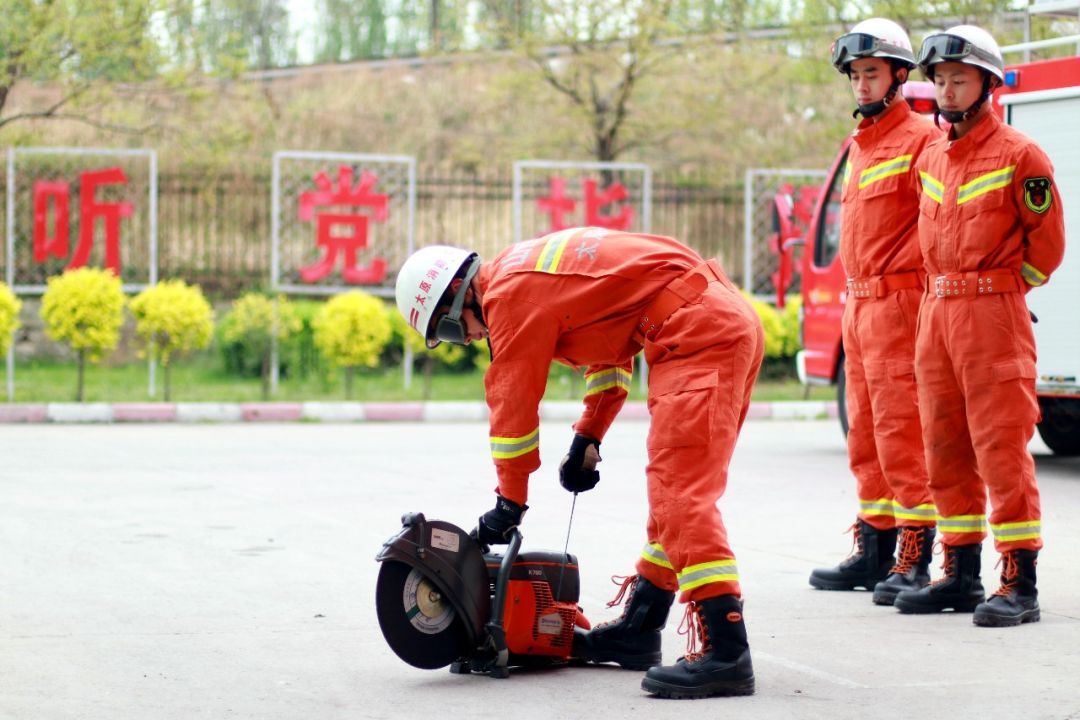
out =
column 227, row 571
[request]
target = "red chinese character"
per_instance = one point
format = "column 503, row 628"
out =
column 612, row 194
column 59, row 192
column 556, row 203
column 355, row 237
column 89, row 212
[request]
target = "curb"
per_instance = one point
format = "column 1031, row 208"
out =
column 345, row 412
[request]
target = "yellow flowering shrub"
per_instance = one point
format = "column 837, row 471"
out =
column 9, row 316
column 352, row 329
column 172, row 317
column 774, row 329
column 249, row 326
column 85, row 309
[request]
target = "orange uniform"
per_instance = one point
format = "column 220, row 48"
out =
column 991, row 228
column 578, row 296
column 879, row 249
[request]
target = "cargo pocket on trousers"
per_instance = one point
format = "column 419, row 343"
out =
column 1013, row 388
column 903, row 398
column 682, row 407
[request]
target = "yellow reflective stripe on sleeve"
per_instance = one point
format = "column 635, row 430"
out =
column 606, row 379
column 654, row 553
column 1025, row 530
column 553, row 250
column 1031, row 275
column 932, row 187
column 511, row 447
column 984, row 184
column 710, row 572
column 881, row 506
column 962, row 524
column 895, row 166
column 920, row 512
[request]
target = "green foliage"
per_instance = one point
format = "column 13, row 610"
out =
column 352, row 329
column 84, row 308
column 248, row 329
column 172, row 317
column 298, row 356
column 9, row 316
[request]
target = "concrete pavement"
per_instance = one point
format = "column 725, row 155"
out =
column 226, row 571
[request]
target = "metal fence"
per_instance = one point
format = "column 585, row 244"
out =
column 215, row 230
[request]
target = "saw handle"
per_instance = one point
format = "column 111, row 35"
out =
column 496, row 631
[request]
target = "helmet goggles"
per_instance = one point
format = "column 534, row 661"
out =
column 952, row 48
column 853, row 46
column 450, row 327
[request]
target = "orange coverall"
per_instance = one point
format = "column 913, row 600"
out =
column 577, row 296
column 879, row 248
column 991, row 228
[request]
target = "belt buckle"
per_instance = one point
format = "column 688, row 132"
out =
column 939, row 286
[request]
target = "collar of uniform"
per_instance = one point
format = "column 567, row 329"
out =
column 984, row 128
column 869, row 131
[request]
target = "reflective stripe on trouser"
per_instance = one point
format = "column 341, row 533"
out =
column 699, row 394
column 975, row 359
column 885, row 444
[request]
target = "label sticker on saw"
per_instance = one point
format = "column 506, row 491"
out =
column 424, row 604
column 550, row 624
column 445, row 540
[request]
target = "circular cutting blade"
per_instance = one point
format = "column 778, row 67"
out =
column 419, row 623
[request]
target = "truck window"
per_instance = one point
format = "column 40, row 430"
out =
column 828, row 231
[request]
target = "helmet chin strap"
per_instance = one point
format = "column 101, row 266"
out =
column 956, row 116
column 876, row 108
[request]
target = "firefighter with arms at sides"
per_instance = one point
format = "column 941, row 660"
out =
column 593, row 298
column 991, row 229
column 879, row 248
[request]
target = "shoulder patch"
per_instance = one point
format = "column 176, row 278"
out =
column 1038, row 195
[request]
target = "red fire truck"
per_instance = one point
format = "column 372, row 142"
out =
column 1042, row 99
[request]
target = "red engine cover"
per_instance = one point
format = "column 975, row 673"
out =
column 537, row 622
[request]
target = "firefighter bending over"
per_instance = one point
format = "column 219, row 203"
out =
column 593, row 298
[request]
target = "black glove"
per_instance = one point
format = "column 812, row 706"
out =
column 572, row 475
column 495, row 525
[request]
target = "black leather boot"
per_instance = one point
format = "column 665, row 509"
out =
column 721, row 667
column 960, row 590
column 867, row 566
column 912, row 568
column 632, row 640
column 1017, row 600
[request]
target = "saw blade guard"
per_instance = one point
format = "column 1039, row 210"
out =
column 450, row 560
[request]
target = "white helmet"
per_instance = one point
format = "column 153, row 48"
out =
column 966, row 44
column 876, row 37
column 425, row 278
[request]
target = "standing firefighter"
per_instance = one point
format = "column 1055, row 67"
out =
column 991, row 229
column 879, row 248
column 592, row 298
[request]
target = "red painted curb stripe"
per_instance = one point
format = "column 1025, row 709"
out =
column 270, row 412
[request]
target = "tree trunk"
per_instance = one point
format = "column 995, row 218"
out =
column 429, row 374
column 265, row 377
column 79, row 395
column 349, row 371
column 168, row 382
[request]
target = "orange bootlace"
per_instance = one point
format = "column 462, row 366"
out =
column 1011, row 574
column 910, row 544
column 693, row 627
column 856, row 539
column 627, row 584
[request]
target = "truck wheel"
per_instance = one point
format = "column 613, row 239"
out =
column 841, row 396
column 1060, row 426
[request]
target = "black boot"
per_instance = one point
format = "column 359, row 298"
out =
column 632, row 640
column 867, row 566
column 912, row 568
column 1017, row 600
column 722, row 667
column 960, row 590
